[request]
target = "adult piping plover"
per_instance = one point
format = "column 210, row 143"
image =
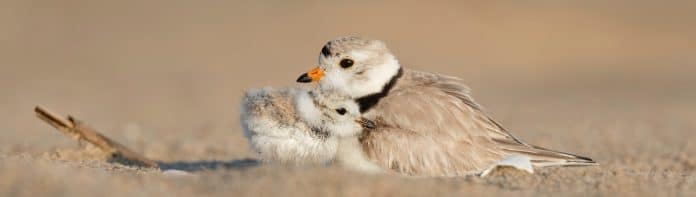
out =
column 299, row 126
column 427, row 124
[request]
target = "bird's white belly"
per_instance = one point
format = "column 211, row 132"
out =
column 350, row 155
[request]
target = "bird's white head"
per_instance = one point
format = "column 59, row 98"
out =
column 333, row 113
column 353, row 66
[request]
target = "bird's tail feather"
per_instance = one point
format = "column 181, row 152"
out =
column 543, row 157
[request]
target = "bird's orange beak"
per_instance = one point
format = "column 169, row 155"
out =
column 313, row 75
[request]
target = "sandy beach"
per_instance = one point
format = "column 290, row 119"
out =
column 611, row 80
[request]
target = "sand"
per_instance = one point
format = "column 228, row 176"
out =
column 609, row 80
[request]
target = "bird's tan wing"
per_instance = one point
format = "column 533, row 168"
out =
column 458, row 91
column 504, row 140
column 429, row 125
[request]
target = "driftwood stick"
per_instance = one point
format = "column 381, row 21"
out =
column 59, row 123
column 81, row 131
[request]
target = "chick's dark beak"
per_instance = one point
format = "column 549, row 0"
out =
column 366, row 123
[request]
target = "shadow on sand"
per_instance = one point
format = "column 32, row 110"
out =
column 195, row 166
column 192, row 166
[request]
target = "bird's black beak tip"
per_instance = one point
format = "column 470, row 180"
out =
column 368, row 124
column 304, row 78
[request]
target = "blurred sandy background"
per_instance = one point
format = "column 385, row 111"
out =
column 612, row 80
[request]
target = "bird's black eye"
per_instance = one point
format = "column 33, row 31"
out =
column 341, row 111
column 346, row 63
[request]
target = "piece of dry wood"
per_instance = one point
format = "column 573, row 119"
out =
column 80, row 131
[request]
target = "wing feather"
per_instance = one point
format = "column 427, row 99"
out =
column 429, row 125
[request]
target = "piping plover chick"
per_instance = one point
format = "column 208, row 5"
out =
column 427, row 124
column 298, row 126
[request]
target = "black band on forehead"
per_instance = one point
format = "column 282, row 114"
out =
column 325, row 50
column 369, row 101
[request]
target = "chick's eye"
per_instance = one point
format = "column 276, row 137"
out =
column 341, row 111
column 346, row 63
